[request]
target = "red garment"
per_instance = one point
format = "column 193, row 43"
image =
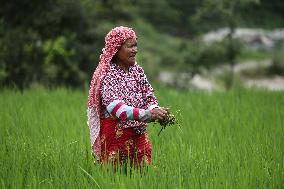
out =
column 123, row 144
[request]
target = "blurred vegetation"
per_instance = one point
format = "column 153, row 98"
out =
column 58, row 42
column 278, row 60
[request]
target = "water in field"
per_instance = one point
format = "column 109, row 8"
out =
column 225, row 140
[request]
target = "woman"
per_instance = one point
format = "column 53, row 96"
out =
column 121, row 102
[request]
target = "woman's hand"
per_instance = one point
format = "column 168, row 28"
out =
column 166, row 109
column 159, row 113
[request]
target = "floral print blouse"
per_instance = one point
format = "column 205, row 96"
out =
column 127, row 96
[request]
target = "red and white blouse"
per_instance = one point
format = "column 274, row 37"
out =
column 127, row 96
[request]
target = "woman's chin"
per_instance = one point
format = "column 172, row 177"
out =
column 131, row 63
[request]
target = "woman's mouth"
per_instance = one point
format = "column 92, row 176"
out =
column 132, row 56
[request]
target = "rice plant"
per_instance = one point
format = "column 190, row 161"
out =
column 225, row 140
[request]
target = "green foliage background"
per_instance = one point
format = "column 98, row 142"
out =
column 58, row 42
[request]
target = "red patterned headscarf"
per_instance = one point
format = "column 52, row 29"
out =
column 113, row 41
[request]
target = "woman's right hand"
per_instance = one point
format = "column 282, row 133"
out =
column 159, row 113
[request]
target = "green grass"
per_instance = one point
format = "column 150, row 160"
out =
column 226, row 140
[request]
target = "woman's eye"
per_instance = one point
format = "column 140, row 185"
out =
column 131, row 46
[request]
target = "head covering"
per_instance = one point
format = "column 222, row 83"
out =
column 114, row 39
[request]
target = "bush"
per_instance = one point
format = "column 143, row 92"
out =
column 278, row 64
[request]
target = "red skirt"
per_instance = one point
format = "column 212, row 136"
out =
column 123, row 144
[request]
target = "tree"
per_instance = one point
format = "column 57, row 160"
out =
column 227, row 12
column 40, row 42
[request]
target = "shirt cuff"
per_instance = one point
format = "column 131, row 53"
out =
column 144, row 115
column 153, row 106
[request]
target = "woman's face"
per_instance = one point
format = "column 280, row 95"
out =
column 127, row 52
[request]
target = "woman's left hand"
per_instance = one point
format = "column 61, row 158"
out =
column 166, row 109
column 159, row 113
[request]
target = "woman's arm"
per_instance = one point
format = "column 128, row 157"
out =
column 122, row 111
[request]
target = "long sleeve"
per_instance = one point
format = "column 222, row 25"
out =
column 122, row 111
